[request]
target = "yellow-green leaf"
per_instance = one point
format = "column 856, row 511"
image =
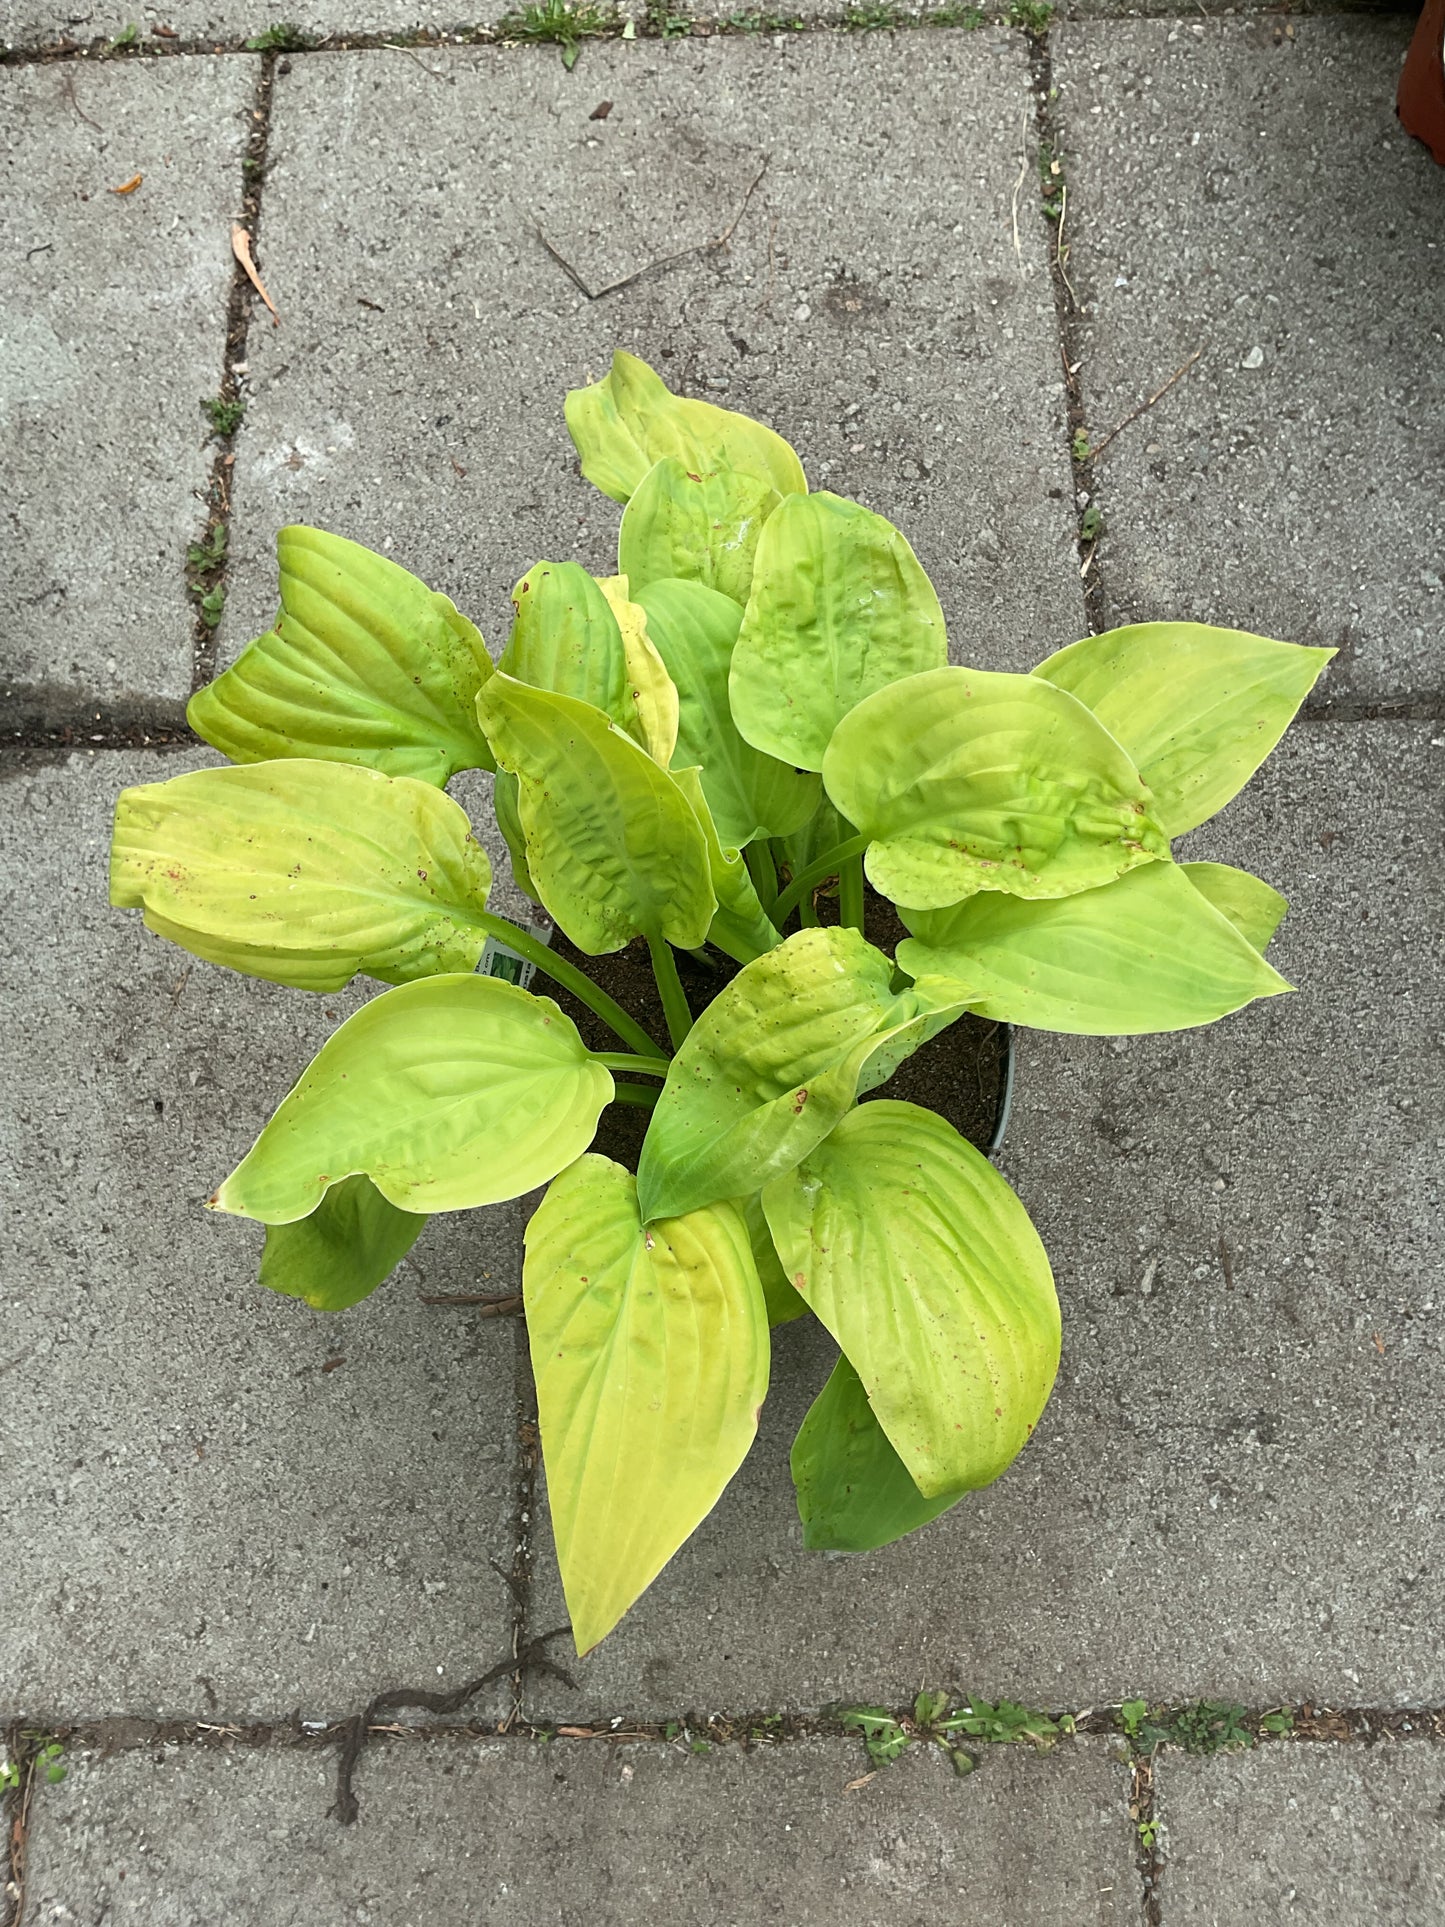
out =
column 1198, row 709
column 650, row 1352
column 365, row 665
column 1254, row 909
column 650, row 690
column 696, row 527
column 783, row 1303
column 613, row 847
column 769, row 1068
column 1149, row 952
column 967, row 779
column 854, row 1492
column 336, row 1257
column 740, row 925
column 750, row 794
column 840, row 607
column 450, row 1093
column 630, row 420
column 565, row 637
column 304, row 872
column 922, row 1263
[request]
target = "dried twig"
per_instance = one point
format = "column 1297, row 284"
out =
column 393, row 47
column 1060, row 258
column 653, row 267
column 1227, row 1264
column 1018, row 189
column 1159, row 393
column 491, row 1305
column 241, row 248
column 67, row 87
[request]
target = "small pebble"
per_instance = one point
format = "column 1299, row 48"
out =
column 1254, row 359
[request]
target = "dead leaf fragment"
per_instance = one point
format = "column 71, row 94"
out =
column 127, row 187
column 601, row 110
column 241, row 248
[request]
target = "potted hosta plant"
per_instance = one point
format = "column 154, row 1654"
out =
column 758, row 702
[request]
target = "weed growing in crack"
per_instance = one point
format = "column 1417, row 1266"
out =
column 1031, row 16
column 1208, row 1726
column 210, row 552
column 561, row 23
column 285, row 37
column 128, row 37
column 886, row 1736
column 224, row 416
column 1091, row 523
column 666, row 22
column 1080, row 447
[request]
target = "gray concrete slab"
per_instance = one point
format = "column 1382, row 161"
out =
column 1234, row 1489
column 215, row 1499
column 115, row 327
column 870, row 304
column 1290, row 482
column 508, row 1831
column 1330, row 1836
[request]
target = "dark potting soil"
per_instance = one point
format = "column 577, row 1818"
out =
column 960, row 1074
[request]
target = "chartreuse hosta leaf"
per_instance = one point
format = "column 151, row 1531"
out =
column 365, row 665
column 740, row 925
column 612, row 844
column 854, row 1492
column 650, row 689
column 772, row 1064
column 697, row 527
column 1153, row 951
column 839, row 608
column 454, row 1092
column 922, row 1263
column 782, row 1301
column 339, row 1255
column 694, row 629
column 304, row 872
column 628, row 421
column 1198, row 709
column 967, row 779
column 1251, row 905
column 650, row 1350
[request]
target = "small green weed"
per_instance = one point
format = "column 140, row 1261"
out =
column 700, row 1746
column 1079, row 448
column 210, row 552
column 991, row 1723
column 1148, row 1831
column 877, row 17
column 284, row 38
column 560, row 23
column 224, row 416
column 672, row 1729
column 1032, row 16
column 1091, row 523
column 211, row 604
column 1208, row 1726
column 666, row 22
column 1279, row 1722
column 127, row 38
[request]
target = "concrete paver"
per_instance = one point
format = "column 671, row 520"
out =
column 870, row 304
column 508, row 1831
column 115, row 323
column 42, row 23
column 1289, row 483
column 1233, row 1489
column 1353, row 1837
column 214, row 1497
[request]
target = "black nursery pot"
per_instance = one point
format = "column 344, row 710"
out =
column 965, row 1074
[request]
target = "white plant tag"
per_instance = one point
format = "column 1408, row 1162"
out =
column 500, row 960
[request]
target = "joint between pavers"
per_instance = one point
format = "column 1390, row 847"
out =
column 29, row 724
column 208, row 558
column 1055, row 214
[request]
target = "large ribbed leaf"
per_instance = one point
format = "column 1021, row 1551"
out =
column 450, row 1093
column 1198, row 709
column 968, row 780
column 840, row 607
column 365, row 665
column 650, row 1350
column 304, row 872
column 750, row 794
column 1148, row 953
column 1251, row 905
column 339, row 1255
column 922, row 1263
column 854, row 1492
column 770, row 1066
column 630, row 420
column 700, row 528
column 566, row 638
column 740, row 925
column 613, row 847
